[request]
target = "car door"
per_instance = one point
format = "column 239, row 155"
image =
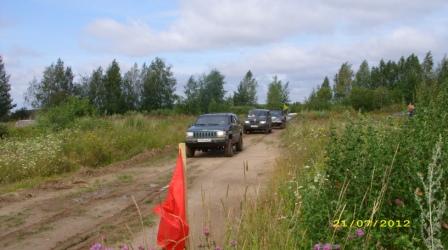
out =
column 235, row 128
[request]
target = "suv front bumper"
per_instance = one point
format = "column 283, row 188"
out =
column 206, row 143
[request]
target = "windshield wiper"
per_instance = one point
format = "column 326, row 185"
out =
column 200, row 124
column 213, row 124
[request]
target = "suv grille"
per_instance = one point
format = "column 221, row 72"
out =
column 204, row 134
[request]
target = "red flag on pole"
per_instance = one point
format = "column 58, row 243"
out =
column 173, row 227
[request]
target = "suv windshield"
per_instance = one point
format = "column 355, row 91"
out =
column 276, row 113
column 212, row 120
column 258, row 113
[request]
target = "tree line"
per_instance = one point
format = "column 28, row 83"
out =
column 142, row 88
column 400, row 82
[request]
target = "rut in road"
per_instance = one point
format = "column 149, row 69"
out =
column 75, row 216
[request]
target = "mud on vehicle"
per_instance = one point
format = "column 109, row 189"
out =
column 258, row 120
column 219, row 131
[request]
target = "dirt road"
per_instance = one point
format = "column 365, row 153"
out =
column 76, row 211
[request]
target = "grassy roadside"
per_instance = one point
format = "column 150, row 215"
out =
column 356, row 182
column 269, row 221
column 30, row 155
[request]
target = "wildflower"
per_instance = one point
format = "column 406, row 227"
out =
column 317, row 246
column 96, row 246
column 360, row 232
column 327, row 246
column 141, row 248
column 124, row 247
column 218, row 248
column 206, row 232
column 233, row 243
column 336, row 247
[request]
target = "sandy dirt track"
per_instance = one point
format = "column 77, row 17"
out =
column 79, row 210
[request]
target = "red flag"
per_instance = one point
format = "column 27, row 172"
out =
column 173, row 227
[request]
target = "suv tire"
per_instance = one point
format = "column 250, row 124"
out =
column 190, row 152
column 228, row 148
column 239, row 145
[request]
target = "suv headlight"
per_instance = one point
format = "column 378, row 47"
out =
column 189, row 134
column 262, row 122
column 247, row 122
column 220, row 133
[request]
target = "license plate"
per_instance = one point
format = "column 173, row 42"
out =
column 254, row 126
column 204, row 140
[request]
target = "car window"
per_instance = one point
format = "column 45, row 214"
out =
column 258, row 113
column 212, row 120
column 277, row 113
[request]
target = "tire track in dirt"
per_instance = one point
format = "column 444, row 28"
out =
column 77, row 215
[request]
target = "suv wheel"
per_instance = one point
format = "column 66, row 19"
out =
column 228, row 149
column 239, row 145
column 190, row 151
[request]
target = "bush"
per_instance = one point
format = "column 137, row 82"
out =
column 4, row 131
column 64, row 115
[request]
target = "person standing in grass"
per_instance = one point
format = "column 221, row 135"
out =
column 411, row 109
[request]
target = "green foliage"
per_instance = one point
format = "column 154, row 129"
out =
column 64, row 115
column 362, row 77
column 343, row 81
column 246, row 93
column 205, row 94
column 278, row 94
column 88, row 142
column 54, row 88
column 320, row 99
column 4, row 131
column 113, row 96
column 5, row 96
column 158, row 86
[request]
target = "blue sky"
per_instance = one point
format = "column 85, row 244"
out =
column 300, row 41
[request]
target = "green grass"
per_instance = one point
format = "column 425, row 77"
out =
column 29, row 155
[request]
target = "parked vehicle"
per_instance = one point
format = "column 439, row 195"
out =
column 219, row 131
column 258, row 120
column 278, row 118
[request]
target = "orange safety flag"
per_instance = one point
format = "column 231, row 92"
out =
column 173, row 227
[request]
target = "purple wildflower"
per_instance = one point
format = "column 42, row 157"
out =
column 218, row 248
column 327, row 246
column 96, row 246
column 233, row 243
column 124, row 247
column 317, row 246
column 206, row 232
column 360, row 232
column 141, row 248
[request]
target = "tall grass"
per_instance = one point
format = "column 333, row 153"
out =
column 368, row 168
column 89, row 142
column 271, row 222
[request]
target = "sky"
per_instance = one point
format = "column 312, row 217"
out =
column 300, row 41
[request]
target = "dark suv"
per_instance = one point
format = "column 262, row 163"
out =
column 258, row 120
column 278, row 118
column 215, row 131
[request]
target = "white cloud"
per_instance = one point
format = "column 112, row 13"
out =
column 210, row 24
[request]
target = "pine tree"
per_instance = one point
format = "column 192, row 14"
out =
column 427, row 67
column 113, row 101
column 5, row 96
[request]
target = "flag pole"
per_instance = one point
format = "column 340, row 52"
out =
column 184, row 164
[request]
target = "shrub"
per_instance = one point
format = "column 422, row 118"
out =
column 63, row 116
